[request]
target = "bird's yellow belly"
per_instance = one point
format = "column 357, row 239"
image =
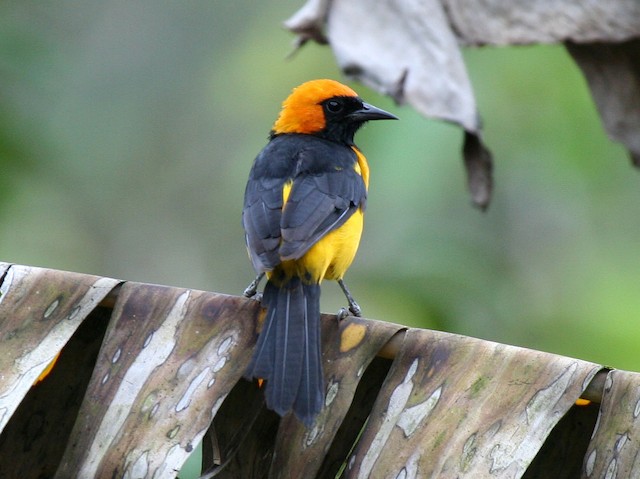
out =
column 331, row 256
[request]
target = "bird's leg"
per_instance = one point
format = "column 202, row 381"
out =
column 353, row 306
column 250, row 291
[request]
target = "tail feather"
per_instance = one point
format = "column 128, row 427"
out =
column 261, row 365
column 310, row 396
column 288, row 353
column 289, row 348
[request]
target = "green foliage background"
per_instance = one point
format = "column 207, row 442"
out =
column 127, row 130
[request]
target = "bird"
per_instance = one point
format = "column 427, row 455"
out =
column 303, row 218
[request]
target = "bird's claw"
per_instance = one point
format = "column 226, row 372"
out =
column 251, row 290
column 355, row 309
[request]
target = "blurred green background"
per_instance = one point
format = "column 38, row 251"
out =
column 127, row 130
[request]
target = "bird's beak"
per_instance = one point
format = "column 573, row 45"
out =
column 370, row 112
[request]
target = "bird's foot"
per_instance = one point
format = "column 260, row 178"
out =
column 354, row 307
column 251, row 290
column 353, row 310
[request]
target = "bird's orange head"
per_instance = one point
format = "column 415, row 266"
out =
column 325, row 108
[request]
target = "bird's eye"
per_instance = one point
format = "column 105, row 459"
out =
column 334, row 106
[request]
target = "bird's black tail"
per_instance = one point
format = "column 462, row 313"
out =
column 288, row 354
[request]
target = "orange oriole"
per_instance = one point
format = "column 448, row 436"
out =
column 303, row 218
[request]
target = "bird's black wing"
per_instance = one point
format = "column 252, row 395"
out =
column 326, row 191
column 263, row 202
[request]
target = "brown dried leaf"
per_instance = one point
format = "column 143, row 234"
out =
column 613, row 451
column 169, row 359
column 444, row 406
column 562, row 454
column 3, row 269
column 481, row 22
column 36, row 436
column 406, row 50
column 613, row 73
column 40, row 309
column 308, row 22
column 454, row 406
column 479, row 167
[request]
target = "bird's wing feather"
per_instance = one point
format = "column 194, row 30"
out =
column 263, row 203
column 326, row 190
column 319, row 202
